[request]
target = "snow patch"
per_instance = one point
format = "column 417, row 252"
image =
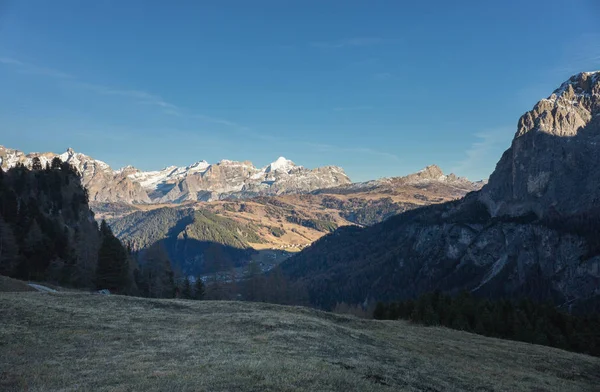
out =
column 281, row 164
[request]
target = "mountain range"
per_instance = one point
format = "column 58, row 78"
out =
column 532, row 231
column 239, row 207
column 243, row 229
column 200, row 181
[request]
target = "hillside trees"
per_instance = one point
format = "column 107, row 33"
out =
column 47, row 232
column 112, row 271
column 155, row 278
column 199, row 289
column 9, row 251
column 524, row 320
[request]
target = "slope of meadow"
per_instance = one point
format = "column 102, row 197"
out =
column 69, row 341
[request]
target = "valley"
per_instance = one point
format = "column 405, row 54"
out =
column 288, row 223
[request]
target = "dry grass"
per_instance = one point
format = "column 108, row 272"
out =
column 8, row 285
column 69, row 342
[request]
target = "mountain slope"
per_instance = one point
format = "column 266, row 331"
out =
column 523, row 234
column 197, row 241
column 241, row 346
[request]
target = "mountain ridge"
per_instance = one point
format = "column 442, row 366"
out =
column 200, row 181
column 226, row 179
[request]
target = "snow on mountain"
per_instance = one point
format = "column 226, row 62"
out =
column 202, row 181
column 153, row 179
column 199, row 181
column 281, row 164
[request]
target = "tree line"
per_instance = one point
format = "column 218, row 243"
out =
column 521, row 320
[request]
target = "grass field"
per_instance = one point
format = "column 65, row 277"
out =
column 84, row 342
column 13, row 285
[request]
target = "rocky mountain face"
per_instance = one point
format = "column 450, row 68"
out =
column 552, row 166
column 200, row 181
column 532, row 231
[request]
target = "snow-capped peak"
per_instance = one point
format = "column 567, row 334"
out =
column 281, row 164
column 198, row 166
column 80, row 160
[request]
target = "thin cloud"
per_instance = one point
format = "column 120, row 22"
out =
column 142, row 97
column 139, row 96
column 347, row 43
column 483, row 154
column 27, row 68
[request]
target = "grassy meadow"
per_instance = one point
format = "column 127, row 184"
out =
column 83, row 342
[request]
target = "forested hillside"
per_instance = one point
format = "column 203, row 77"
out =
column 47, row 231
column 49, row 234
column 197, row 242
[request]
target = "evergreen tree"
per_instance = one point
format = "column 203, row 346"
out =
column 35, row 250
column 36, row 164
column 255, row 284
column 186, row 290
column 9, row 249
column 56, row 163
column 379, row 313
column 157, row 278
column 113, row 266
column 198, row 289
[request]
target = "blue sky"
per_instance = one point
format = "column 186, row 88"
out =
column 381, row 88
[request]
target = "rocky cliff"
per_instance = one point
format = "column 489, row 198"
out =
column 531, row 231
column 552, row 165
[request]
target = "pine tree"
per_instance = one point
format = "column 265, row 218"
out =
column 35, row 251
column 255, row 285
column 199, row 289
column 277, row 287
column 380, row 312
column 157, row 278
column 186, row 291
column 113, row 266
column 9, row 249
column 56, row 163
column 36, row 164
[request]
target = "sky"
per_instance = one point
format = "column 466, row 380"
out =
column 380, row 88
